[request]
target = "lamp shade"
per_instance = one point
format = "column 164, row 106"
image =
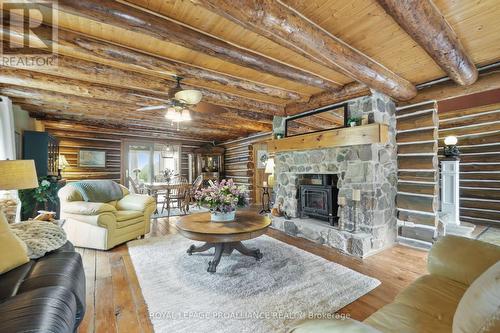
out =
column 18, row 175
column 63, row 162
column 269, row 165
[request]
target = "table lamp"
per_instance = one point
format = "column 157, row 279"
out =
column 63, row 164
column 270, row 170
column 15, row 175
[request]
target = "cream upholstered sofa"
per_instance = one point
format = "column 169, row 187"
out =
column 436, row 302
column 104, row 225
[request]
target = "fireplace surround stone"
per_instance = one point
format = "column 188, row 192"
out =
column 370, row 168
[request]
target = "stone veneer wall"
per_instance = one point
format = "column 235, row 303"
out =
column 370, row 168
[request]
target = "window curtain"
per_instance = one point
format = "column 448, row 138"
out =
column 7, row 130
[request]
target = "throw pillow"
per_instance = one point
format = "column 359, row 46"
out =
column 13, row 252
column 479, row 309
column 40, row 237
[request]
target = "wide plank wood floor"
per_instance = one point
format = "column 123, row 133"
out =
column 115, row 302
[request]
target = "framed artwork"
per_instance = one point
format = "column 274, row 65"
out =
column 92, row 158
column 262, row 157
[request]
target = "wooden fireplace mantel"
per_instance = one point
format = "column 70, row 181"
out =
column 359, row 135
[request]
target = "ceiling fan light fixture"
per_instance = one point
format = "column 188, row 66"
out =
column 185, row 115
column 189, row 96
column 171, row 113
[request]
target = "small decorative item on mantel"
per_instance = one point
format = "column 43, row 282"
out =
column 222, row 198
column 279, row 136
column 354, row 121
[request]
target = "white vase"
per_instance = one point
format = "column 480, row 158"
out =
column 222, row 217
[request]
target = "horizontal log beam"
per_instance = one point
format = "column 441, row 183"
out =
column 23, row 78
column 285, row 26
column 418, row 176
column 417, row 136
column 416, row 203
column 417, row 218
column 422, row 20
column 82, row 70
column 165, row 29
column 349, row 91
column 428, row 119
column 488, row 80
column 91, row 49
column 419, row 148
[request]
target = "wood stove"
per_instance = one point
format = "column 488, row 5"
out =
column 318, row 197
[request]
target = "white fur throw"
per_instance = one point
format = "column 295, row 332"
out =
column 40, row 237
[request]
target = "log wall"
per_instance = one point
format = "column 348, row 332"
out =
column 239, row 162
column 478, row 132
column 418, row 173
column 75, row 137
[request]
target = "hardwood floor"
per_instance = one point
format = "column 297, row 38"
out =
column 115, row 302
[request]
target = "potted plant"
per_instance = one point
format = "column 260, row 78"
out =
column 38, row 198
column 222, row 198
column 354, row 121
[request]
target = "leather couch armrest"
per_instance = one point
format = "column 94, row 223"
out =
column 86, row 208
column 137, row 202
column 332, row 326
column 461, row 259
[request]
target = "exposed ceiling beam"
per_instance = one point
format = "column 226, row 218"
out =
column 351, row 90
column 73, row 68
column 110, row 132
column 488, row 80
column 423, row 21
column 115, row 110
column 166, row 29
column 87, row 48
column 287, row 27
column 44, row 112
column 24, row 78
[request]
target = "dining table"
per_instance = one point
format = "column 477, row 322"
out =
column 153, row 188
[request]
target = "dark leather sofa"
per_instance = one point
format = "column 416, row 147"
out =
column 44, row 295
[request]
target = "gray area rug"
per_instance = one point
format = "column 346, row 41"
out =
column 244, row 295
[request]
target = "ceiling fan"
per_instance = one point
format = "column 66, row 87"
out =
column 178, row 102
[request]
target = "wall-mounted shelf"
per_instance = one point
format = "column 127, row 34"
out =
column 359, row 135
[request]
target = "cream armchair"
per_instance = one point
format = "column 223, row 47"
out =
column 104, row 225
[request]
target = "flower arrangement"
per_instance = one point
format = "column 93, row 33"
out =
column 222, row 197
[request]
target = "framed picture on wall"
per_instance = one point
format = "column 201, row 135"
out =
column 91, row 158
column 262, row 157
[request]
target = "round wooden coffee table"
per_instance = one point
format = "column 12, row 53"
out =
column 223, row 236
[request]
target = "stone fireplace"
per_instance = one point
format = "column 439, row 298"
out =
column 369, row 168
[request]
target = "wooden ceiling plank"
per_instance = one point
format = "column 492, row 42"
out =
column 133, row 19
column 423, row 21
column 285, row 26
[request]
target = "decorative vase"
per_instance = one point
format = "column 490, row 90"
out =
column 222, row 217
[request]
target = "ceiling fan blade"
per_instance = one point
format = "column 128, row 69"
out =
column 151, row 108
column 152, row 98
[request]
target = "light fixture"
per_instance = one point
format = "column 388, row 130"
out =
column 185, row 115
column 451, row 150
column 270, row 169
column 189, row 96
column 450, row 140
column 168, row 151
column 177, row 114
column 63, row 164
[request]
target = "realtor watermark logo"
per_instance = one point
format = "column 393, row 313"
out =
column 29, row 34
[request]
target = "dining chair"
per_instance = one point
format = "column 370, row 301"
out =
column 176, row 193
